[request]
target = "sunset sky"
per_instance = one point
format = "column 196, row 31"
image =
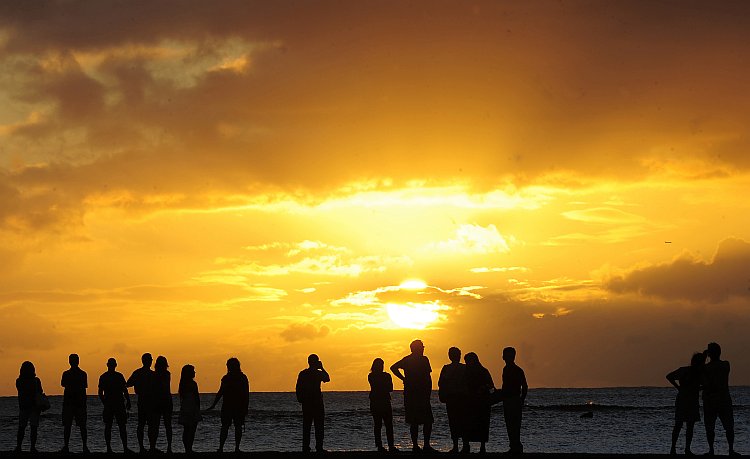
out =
column 268, row 179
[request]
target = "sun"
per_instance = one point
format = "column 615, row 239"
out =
column 417, row 316
column 413, row 284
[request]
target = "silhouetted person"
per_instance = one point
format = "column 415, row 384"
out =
column 716, row 399
column 74, row 381
column 113, row 392
column 514, row 392
column 478, row 387
column 311, row 397
column 162, row 403
column 417, row 390
column 235, row 388
column 29, row 390
column 452, row 392
column 687, row 380
column 381, row 386
column 144, row 383
column 190, row 406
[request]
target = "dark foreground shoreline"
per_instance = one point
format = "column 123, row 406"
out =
column 338, row 455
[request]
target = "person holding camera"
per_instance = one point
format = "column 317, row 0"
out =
column 311, row 397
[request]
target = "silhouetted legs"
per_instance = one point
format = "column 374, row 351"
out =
column 109, row 416
column 313, row 413
column 689, row 425
column 726, row 416
column 512, row 412
column 426, row 432
column 188, row 436
column 379, row 418
column 153, row 428
column 71, row 412
column 26, row 417
column 227, row 419
column 455, row 411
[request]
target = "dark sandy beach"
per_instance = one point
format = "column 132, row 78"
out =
column 346, row 455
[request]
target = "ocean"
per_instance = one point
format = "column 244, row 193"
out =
column 625, row 420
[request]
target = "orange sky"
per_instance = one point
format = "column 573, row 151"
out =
column 261, row 179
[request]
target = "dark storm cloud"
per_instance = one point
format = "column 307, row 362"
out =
column 726, row 275
column 602, row 342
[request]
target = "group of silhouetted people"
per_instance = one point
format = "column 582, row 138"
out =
column 467, row 390
column 712, row 378
column 154, row 402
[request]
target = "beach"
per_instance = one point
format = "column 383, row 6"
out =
column 348, row 455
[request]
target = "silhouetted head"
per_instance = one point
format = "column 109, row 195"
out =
column 73, row 360
column 27, row 370
column 313, row 360
column 471, row 359
column 233, row 364
column 417, row 347
column 161, row 364
column 714, row 351
column 188, row 372
column 146, row 359
column 377, row 365
column 111, row 363
column 698, row 359
column 454, row 354
column 509, row 354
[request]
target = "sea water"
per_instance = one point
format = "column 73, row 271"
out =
column 625, row 420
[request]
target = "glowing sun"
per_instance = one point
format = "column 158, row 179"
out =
column 410, row 315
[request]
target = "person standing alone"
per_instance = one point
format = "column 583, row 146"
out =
column 417, row 391
column 311, row 397
column 75, row 382
column 514, row 392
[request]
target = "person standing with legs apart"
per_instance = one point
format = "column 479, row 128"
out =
column 717, row 402
column 687, row 380
column 235, row 388
column 113, row 392
column 381, row 386
column 452, row 392
column 311, row 397
column 417, row 391
column 190, row 406
column 74, row 381
column 514, row 392
column 144, row 383
column 29, row 409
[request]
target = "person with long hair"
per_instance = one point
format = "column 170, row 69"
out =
column 479, row 385
column 190, row 406
column 381, row 386
column 162, row 402
column 29, row 391
column 687, row 381
column 235, row 389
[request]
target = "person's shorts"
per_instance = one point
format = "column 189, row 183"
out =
column 31, row 416
column 724, row 412
column 71, row 412
column 232, row 417
column 111, row 413
column 146, row 414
